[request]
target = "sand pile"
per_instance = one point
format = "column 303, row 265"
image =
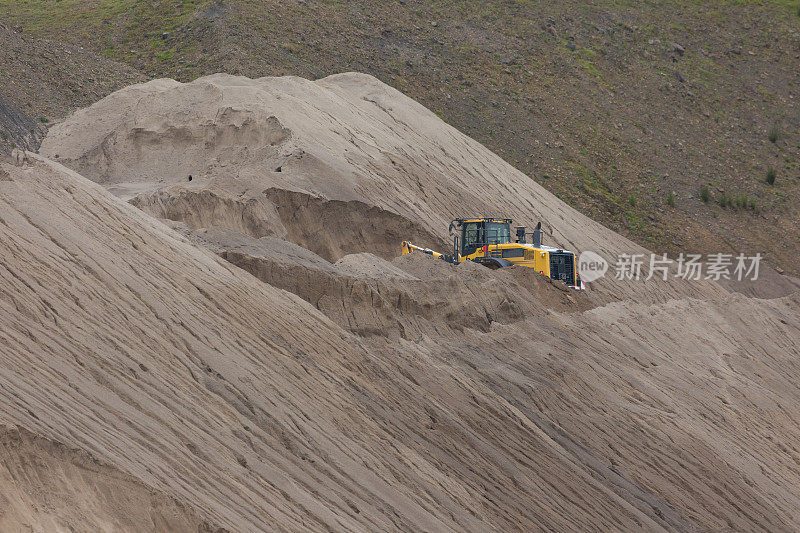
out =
column 264, row 360
column 371, row 267
column 369, row 296
column 350, row 164
column 47, row 486
column 236, row 399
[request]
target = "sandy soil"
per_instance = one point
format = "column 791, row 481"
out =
column 344, row 145
column 238, row 359
column 50, row 487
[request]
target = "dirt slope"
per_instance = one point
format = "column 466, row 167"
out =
column 42, row 81
column 237, row 399
column 47, row 486
column 251, row 408
column 286, row 383
column 610, row 105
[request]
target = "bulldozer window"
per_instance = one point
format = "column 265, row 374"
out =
column 498, row 232
column 473, row 237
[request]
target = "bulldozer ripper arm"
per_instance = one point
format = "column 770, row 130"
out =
column 408, row 248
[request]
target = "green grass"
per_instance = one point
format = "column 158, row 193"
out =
column 292, row 48
column 789, row 4
column 671, row 199
column 771, row 175
column 633, row 222
column 165, row 55
column 590, row 67
column 128, row 24
column 705, row 195
column 739, row 201
column 773, row 134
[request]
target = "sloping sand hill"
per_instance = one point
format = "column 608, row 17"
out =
column 235, row 366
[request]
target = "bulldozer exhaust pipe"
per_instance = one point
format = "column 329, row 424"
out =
column 537, row 235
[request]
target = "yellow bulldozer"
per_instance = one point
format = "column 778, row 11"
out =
column 488, row 241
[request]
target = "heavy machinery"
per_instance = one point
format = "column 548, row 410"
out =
column 488, row 241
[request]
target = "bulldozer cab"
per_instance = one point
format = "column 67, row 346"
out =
column 477, row 233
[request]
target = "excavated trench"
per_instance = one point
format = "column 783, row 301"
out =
column 430, row 297
column 335, row 255
column 329, row 228
column 334, row 228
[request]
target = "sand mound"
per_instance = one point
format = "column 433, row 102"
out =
column 125, row 340
column 351, row 164
column 295, row 393
column 369, row 266
column 239, row 400
column 770, row 284
column 426, row 266
column 46, row 486
column 371, row 297
column 329, row 228
column 210, row 207
column 222, row 240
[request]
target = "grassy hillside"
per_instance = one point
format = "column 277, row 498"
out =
column 664, row 120
column 43, row 80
